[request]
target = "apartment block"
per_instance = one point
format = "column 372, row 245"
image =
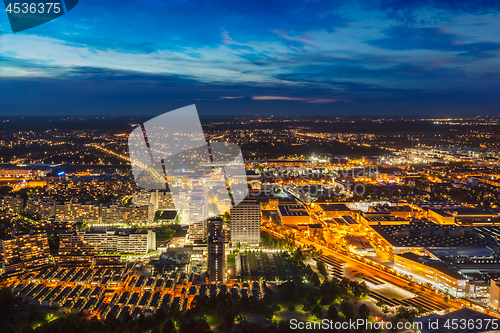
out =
column 11, row 204
column 25, row 251
column 245, row 223
column 40, row 208
column 133, row 241
column 77, row 212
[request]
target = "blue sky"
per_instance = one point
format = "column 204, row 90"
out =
column 256, row 57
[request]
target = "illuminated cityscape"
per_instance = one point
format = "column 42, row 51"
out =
column 408, row 231
column 250, row 166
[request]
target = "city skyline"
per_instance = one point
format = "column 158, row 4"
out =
column 380, row 219
column 261, row 166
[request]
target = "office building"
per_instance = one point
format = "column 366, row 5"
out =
column 216, row 250
column 198, row 214
column 245, row 223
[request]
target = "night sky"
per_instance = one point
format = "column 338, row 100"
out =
column 256, row 58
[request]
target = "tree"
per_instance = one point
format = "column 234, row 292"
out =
column 227, row 320
column 33, row 312
column 148, row 323
column 168, row 327
column 315, row 279
column 246, row 327
column 316, row 311
column 365, row 291
column 241, row 319
column 297, row 282
column 364, row 311
column 332, row 312
column 394, row 322
column 26, row 329
column 7, row 300
column 380, row 303
column 195, row 326
column 326, row 300
column 81, row 226
column 221, row 308
column 269, row 313
column 322, row 269
column 344, row 305
column 159, row 316
column 344, row 286
column 10, row 328
column 407, row 313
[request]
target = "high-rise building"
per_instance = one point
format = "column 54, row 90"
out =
column 245, row 223
column 198, row 214
column 23, row 252
column 216, row 250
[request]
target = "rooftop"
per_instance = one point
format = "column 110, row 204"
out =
column 292, row 210
column 168, row 215
column 465, row 212
column 428, row 235
column 436, row 264
column 334, row 207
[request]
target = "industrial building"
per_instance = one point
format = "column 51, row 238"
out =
column 435, row 271
column 293, row 214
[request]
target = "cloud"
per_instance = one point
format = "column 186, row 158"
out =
column 322, row 101
column 277, row 98
column 315, row 52
column 302, row 99
column 229, row 41
column 405, row 38
column 305, row 41
column 420, row 12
